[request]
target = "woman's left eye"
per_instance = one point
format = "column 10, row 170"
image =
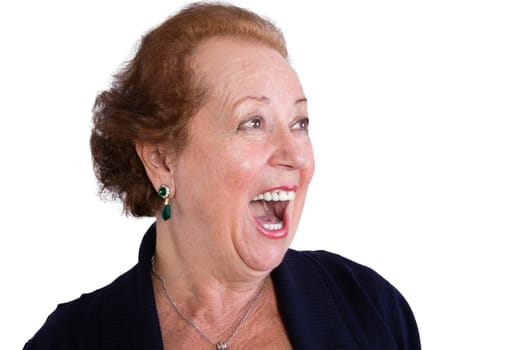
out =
column 302, row 124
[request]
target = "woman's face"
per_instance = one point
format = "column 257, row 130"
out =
column 241, row 181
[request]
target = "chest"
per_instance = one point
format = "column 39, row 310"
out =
column 264, row 329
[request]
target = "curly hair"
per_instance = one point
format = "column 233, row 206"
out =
column 154, row 96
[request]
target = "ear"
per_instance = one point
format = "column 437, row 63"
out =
column 154, row 159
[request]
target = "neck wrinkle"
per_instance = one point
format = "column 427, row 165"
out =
column 202, row 293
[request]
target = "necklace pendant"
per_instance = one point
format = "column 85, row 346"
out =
column 221, row 346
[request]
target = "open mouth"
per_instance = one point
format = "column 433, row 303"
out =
column 268, row 209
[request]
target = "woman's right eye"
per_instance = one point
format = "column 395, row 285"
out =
column 252, row 123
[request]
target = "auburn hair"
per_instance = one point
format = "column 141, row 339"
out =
column 153, row 97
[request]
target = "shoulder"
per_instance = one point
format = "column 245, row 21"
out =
column 325, row 261
column 80, row 323
column 371, row 306
column 336, row 269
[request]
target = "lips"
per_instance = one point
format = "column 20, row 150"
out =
column 268, row 210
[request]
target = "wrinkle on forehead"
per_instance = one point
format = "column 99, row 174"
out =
column 233, row 69
column 226, row 59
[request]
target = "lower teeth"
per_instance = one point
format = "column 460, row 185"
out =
column 273, row 227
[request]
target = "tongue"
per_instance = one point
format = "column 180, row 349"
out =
column 262, row 213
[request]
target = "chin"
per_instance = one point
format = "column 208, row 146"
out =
column 268, row 251
column 266, row 261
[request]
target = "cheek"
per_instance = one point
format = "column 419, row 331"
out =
column 230, row 169
column 241, row 168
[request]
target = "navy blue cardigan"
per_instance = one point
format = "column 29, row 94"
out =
column 326, row 302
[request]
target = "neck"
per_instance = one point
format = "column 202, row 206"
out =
column 203, row 288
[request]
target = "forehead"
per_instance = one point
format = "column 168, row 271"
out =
column 233, row 66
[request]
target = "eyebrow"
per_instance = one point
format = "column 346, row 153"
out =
column 264, row 99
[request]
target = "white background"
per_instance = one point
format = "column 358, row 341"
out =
column 417, row 118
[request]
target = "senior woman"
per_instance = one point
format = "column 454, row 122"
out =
column 206, row 129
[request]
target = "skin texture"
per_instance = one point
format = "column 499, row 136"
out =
column 249, row 137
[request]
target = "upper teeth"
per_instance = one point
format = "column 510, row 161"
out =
column 275, row 196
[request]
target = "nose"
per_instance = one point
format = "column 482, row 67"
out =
column 291, row 150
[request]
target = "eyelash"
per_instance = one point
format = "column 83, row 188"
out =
column 248, row 124
column 257, row 123
column 305, row 123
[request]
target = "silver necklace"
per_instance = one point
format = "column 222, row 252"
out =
column 220, row 345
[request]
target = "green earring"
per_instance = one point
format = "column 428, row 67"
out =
column 164, row 192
